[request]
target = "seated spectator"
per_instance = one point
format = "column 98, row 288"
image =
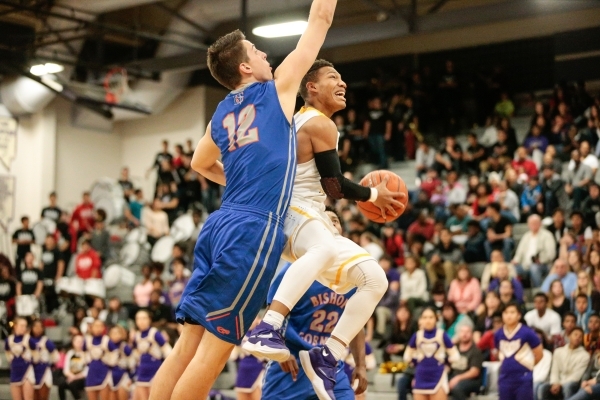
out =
column 569, row 322
column 557, row 299
column 158, row 284
column 568, row 365
column 507, row 294
column 453, row 191
column 23, row 238
column 509, row 203
column 591, row 340
column 423, row 226
column 551, row 160
column 156, row 222
column 535, row 252
column 464, row 291
column 87, row 262
column 8, row 291
column 393, row 243
column 502, row 150
column 438, row 299
column 562, row 273
column 553, row 191
column 74, row 372
column 581, row 233
column 137, row 204
column 499, row 232
column 523, row 164
column 117, row 314
column 82, row 219
column 179, row 282
column 453, row 321
column 503, row 274
column 541, row 371
column 169, row 200
column 531, row 197
column 143, row 289
column 535, row 141
column 403, row 327
column 474, row 154
column 370, row 243
column 590, row 382
column 582, row 311
column 481, row 203
column 486, row 343
column 542, row 317
column 490, row 134
column 591, row 206
column 586, row 287
column 413, row 284
column 430, row 182
column 162, row 315
column 586, row 157
column 449, row 157
column 459, row 219
column 474, row 248
column 465, row 374
column 575, row 261
column 578, row 178
column 425, row 159
column 485, row 312
column 504, row 107
column 443, row 259
column 99, row 237
column 30, row 282
column 389, row 302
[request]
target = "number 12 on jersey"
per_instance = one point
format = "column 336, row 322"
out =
column 239, row 132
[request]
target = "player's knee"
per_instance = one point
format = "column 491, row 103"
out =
column 328, row 252
column 377, row 279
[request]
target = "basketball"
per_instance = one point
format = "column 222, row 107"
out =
column 395, row 184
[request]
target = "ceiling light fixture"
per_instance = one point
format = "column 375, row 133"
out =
column 45, row 69
column 281, row 30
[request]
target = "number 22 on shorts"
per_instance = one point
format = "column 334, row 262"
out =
column 239, row 132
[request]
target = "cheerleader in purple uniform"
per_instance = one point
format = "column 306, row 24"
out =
column 19, row 358
column 519, row 350
column 429, row 350
column 98, row 377
column 250, row 372
column 43, row 355
column 119, row 360
column 150, row 349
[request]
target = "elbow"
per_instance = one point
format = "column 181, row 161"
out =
column 324, row 12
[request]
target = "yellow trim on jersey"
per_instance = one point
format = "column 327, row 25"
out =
column 302, row 212
column 308, row 108
column 338, row 275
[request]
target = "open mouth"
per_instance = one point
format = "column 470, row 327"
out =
column 341, row 95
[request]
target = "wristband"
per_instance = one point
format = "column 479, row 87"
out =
column 374, row 195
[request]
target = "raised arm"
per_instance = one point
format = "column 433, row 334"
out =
column 206, row 159
column 291, row 71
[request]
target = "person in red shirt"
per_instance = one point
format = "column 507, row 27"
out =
column 87, row 263
column 486, row 343
column 422, row 226
column 524, row 164
column 83, row 216
column 393, row 243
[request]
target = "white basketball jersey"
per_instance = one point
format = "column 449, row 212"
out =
column 307, row 185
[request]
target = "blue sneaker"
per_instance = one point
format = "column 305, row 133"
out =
column 320, row 367
column 265, row 341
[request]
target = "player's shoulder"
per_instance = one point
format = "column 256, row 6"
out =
column 319, row 125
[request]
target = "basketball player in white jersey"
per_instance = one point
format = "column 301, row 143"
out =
column 312, row 245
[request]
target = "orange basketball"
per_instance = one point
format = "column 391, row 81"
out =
column 395, row 184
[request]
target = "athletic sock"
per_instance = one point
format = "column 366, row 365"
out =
column 274, row 318
column 338, row 350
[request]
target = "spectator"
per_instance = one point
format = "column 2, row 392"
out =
column 590, row 383
column 164, row 155
column 557, row 299
column 542, row 317
column 591, row 340
column 569, row 322
column 465, row 374
column 475, row 245
column 393, row 243
column 378, row 130
column 486, row 343
column 535, row 141
column 52, row 212
column 541, row 371
column 591, row 206
column 162, row 316
column 523, row 165
column 504, row 107
column 586, row 157
column 370, row 243
column 169, row 200
column 117, row 314
column 579, row 176
column 585, row 287
column 413, row 284
column 143, row 289
column 487, row 309
column 7, row 291
column 490, row 133
column 459, row 219
column 83, row 219
column 449, row 157
column 156, row 222
column 23, row 238
column 429, row 185
column 179, row 282
column 126, row 183
column 30, row 282
column 425, row 158
column 179, row 154
column 535, row 252
column 53, row 269
column 87, row 262
column 499, row 232
column 74, row 371
column 580, row 233
column 550, row 160
column 403, row 328
column 474, row 154
column 99, row 237
column 509, row 203
column 582, row 311
column 503, row 150
column 502, row 274
column 490, row 269
column 464, row 291
column 453, row 321
column 562, row 273
column 423, row 226
column 137, row 204
column 553, row 191
column 443, row 259
column 389, row 302
column 453, row 190
column 531, row 197
column 481, row 202
column 568, row 365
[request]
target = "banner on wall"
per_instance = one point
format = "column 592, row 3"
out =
column 8, row 140
column 7, row 200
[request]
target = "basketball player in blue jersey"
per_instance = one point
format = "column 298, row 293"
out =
column 238, row 250
column 310, row 323
column 312, row 244
column 519, row 350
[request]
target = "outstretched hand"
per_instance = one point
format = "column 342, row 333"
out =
column 387, row 200
column 360, row 374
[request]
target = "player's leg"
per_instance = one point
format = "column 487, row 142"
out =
column 202, row 372
column 420, row 396
column 105, row 393
column 320, row 363
column 315, row 247
column 16, row 392
column 44, row 392
column 440, row 395
column 173, row 367
column 92, row 394
column 123, row 394
column 141, row 393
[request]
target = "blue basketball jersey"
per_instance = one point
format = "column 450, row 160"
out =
column 258, row 147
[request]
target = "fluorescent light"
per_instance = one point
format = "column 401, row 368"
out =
column 45, row 69
column 281, row 30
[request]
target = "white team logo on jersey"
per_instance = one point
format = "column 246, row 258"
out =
column 510, row 347
column 429, row 349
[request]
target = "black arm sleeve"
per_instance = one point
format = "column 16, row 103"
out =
column 334, row 183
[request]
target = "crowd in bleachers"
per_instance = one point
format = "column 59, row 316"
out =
column 461, row 247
